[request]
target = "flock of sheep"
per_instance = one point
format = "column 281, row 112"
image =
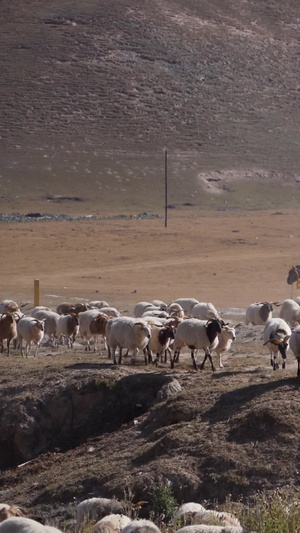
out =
column 105, row 515
column 157, row 331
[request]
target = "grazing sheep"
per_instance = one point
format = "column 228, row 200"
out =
column 127, row 332
column 295, row 346
column 117, row 521
column 276, row 335
column 93, row 509
column 158, row 313
column 8, row 329
column 30, row 330
column 259, row 313
column 204, row 311
column 197, row 334
column 141, row 526
column 68, row 328
column 159, row 303
column 212, row 517
column 290, row 312
column 187, row 508
column 92, row 324
column 204, row 528
column 50, row 322
column 25, row 525
column 226, row 337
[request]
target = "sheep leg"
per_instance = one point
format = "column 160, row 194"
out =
column 298, row 371
column 8, row 343
column 207, row 355
column 120, row 355
column 174, row 358
column 193, row 358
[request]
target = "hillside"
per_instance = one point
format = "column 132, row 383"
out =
column 93, row 91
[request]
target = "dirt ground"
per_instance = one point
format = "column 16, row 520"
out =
column 228, row 259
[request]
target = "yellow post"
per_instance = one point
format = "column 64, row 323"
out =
column 36, row 292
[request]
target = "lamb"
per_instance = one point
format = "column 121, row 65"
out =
column 127, row 332
column 187, row 305
column 204, row 311
column 226, row 337
column 25, row 525
column 197, row 334
column 92, row 324
column 295, row 346
column 141, row 526
column 93, row 509
column 68, row 328
column 8, row 330
column 31, row 330
column 259, row 313
column 290, row 312
column 117, row 521
column 276, row 334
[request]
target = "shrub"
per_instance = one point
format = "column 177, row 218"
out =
column 162, row 503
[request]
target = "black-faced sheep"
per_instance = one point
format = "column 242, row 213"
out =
column 276, row 335
column 197, row 334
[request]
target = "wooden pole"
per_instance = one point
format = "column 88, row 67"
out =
column 166, row 188
column 36, row 288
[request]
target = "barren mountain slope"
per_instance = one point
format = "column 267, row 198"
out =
column 217, row 85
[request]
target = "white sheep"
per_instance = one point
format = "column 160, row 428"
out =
column 141, row 307
column 258, row 313
column 187, row 508
column 155, row 313
column 159, row 303
column 211, row 517
column 141, row 526
column 110, row 311
column 204, row 311
column 30, row 330
column 175, row 309
column 129, row 333
column 226, row 337
column 290, row 312
column 295, row 346
column 276, row 335
column 50, row 319
column 93, row 509
column 67, row 328
column 161, row 336
column 98, row 303
column 204, row 528
column 39, row 308
column 187, row 304
column 92, row 325
column 197, row 334
column 25, row 525
column 8, row 330
column 117, row 521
